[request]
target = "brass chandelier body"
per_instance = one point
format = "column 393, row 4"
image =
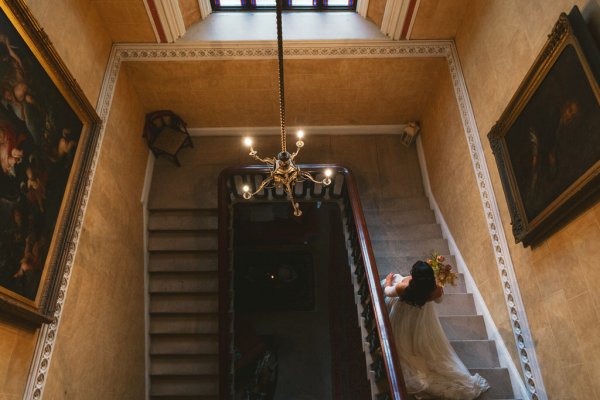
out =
column 284, row 172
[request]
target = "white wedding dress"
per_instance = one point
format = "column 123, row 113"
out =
column 431, row 368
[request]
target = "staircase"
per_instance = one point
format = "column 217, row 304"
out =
column 183, row 284
column 183, row 292
column 403, row 231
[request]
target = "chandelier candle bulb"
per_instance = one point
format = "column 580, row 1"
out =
column 248, row 141
column 247, row 195
column 327, row 181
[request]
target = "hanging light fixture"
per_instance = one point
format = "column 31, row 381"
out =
column 284, row 172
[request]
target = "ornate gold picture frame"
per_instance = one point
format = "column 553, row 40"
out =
column 48, row 131
column 547, row 141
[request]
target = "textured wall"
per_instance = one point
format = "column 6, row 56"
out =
column 125, row 20
column 101, row 337
column 375, row 11
column 318, row 92
column 497, row 43
column 190, row 10
column 77, row 33
column 438, row 19
column 106, row 275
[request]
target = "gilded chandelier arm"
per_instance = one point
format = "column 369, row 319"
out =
column 247, row 195
column 254, row 154
column 290, row 195
column 308, row 176
column 294, row 154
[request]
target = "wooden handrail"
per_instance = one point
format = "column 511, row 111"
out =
column 397, row 388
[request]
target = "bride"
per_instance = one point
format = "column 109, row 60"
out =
column 431, row 368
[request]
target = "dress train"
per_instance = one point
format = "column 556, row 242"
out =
column 431, row 368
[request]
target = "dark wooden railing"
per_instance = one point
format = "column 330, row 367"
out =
column 343, row 189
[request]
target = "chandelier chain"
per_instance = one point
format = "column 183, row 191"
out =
column 281, row 79
column 285, row 174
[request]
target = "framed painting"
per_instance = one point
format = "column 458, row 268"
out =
column 547, row 141
column 48, row 131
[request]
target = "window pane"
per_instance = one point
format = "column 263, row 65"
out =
column 344, row 3
column 302, row 3
column 229, row 3
column 265, row 3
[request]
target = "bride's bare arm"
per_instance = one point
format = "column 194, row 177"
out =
column 391, row 290
column 437, row 294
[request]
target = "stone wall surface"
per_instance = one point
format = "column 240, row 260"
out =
column 101, row 337
column 497, row 43
column 190, row 10
column 375, row 11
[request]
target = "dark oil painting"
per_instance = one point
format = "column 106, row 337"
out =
column 39, row 136
column 547, row 141
column 556, row 138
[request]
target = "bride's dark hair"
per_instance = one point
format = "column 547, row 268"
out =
column 421, row 285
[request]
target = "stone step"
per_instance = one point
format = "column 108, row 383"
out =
column 420, row 248
column 400, row 204
column 406, row 232
column 464, row 327
column 477, row 353
column 182, row 219
column 456, row 304
column 184, row 344
column 458, row 287
column 403, row 264
column 183, row 261
column 182, row 240
column 184, row 365
column 189, row 303
column 378, row 218
column 183, row 282
column 499, row 380
column 184, row 323
column 162, row 385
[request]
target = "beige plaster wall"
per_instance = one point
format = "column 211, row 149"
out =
column 99, row 352
column 497, row 43
column 375, row 11
column 318, row 92
column 190, row 10
column 105, row 295
column 77, row 33
column 125, row 20
column 438, row 19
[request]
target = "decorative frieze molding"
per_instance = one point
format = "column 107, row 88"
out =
column 296, row 49
column 313, row 50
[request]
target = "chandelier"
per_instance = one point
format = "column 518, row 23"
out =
column 284, row 173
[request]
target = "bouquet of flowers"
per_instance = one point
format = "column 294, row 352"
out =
column 443, row 272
